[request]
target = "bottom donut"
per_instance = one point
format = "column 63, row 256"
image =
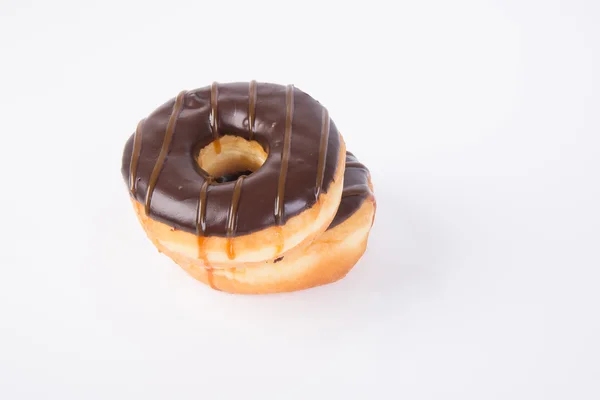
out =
column 327, row 259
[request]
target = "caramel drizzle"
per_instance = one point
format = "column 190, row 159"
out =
column 201, row 209
column 356, row 190
column 355, row 164
column 135, row 156
column 233, row 216
column 164, row 149
column 201, row 230
column 251, row 108
column 214, row 96
column 325, row 125
column 285, row 155
column 201, row 220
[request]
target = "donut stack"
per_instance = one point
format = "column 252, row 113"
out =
column 249, row 188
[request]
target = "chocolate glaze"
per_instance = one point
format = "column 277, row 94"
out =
column 356, row 189
column 159, row 159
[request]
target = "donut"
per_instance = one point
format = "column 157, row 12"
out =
column 327, row 259
column 234, row 174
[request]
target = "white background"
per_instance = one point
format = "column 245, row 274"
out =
column 479, row 120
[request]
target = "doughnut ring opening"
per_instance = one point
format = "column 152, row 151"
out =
column 238, row 157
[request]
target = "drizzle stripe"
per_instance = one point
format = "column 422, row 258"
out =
column 285, row 155
column 233, row 209
column 355, row 164
column 251, row 108
column 201, row 209
column 164, row 149
column 214, row 94
column 135, row 155
column 356, row 190
column 233, row 216
column 325, row 124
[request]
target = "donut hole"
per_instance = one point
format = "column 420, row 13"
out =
column 230, row 157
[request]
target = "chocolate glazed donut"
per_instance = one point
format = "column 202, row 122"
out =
column 303, row 170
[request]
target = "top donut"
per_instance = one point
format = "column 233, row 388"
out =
column 303, row 145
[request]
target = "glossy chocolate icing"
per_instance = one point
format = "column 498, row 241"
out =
column 356, row 189
column 159, row 158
